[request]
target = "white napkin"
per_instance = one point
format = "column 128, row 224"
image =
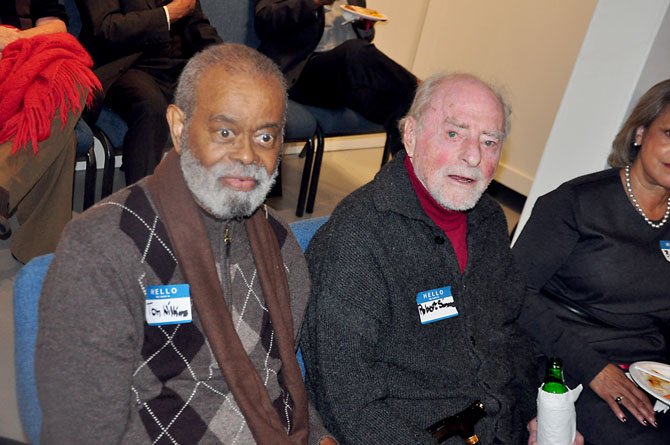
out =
column 661, row 407
column 556, row 417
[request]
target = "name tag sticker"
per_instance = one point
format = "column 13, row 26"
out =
column 665, row 249
column 169, row 304
column 435, row 305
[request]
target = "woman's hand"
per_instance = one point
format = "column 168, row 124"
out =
column 618, row 391
column 532, row 429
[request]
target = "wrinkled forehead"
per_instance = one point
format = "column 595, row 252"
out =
column 471, row 100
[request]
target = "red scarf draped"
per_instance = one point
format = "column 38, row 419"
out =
column 40, row 76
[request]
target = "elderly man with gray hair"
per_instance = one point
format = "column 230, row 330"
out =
column 169, row 312
column 415, row 293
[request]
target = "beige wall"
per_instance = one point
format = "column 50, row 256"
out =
column 528, row 47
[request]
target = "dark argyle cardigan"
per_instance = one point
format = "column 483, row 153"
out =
column 160, row 384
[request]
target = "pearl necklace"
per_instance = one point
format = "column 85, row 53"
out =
column 639, row 209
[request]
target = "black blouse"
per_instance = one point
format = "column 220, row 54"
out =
column 586, row 243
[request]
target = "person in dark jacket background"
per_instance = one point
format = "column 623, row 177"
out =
column 331, row 63
column 140, row 47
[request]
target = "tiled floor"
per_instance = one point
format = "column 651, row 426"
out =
column 342, row 172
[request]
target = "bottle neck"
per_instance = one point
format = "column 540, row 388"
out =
column 460, row 425
column 553, row 379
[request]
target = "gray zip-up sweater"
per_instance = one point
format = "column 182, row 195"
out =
column 106, row 377
column 374, row 372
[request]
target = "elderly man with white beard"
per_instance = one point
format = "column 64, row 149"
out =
column 414, row 290
column 170, row 310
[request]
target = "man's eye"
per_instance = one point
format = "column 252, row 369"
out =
column 490, row 143
column 452, row 134
column 225, row 133
column 267, row 138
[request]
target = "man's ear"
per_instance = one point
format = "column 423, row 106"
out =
column 409, row 136
column 175, row 117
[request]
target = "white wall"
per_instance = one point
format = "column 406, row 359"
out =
column 624, row 53
column 527, row 47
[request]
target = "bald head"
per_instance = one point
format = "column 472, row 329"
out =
column 429, row 87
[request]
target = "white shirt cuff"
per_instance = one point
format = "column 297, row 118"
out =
column 167, row 16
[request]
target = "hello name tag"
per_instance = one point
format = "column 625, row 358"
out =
column 435, row 305
column 169, row 304
column 665, row 249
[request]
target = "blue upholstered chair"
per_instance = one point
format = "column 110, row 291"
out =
column 27, row 288
column 332, row 123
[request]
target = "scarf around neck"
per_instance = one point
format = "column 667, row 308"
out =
column 183, row 221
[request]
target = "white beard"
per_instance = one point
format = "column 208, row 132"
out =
column 220, row 201
column 452, row 197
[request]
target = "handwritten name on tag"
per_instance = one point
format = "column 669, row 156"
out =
column 169, row 304
column 435, row 305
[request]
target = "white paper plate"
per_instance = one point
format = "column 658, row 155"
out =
column 654, row 386
column 364, row 13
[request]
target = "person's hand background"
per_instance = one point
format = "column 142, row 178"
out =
column 532, row 439
column 180, row 8
column 7, row 36
column 611, row 383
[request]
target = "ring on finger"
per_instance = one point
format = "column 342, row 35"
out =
column 618, row 399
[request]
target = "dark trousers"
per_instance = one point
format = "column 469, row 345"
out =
column 141, row 98
column 596, row 421
column 357, row 75
column 37, row 188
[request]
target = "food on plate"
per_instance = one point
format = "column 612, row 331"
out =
column 364, row 11
column 659, row 385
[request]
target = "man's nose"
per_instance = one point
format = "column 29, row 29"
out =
column 471, row 152
column 245, row 152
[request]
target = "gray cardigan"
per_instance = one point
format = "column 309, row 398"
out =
column 105, row 376
column 375, row 373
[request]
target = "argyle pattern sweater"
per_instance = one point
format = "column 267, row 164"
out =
column 106, row 376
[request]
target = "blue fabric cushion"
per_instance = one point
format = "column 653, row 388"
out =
column 305, row 229
column 343, row 121
column 233, row 21
column 27, row 287
column 300, row 123
column 113, row 126
column 84, row 137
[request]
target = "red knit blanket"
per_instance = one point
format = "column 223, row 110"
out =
column 40, row 76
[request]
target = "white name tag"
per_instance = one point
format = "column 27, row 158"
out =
column 665, row 249
column 169, row 304
column 435, row 305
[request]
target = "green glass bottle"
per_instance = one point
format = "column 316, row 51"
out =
column 553, row 378
column 461, row 425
